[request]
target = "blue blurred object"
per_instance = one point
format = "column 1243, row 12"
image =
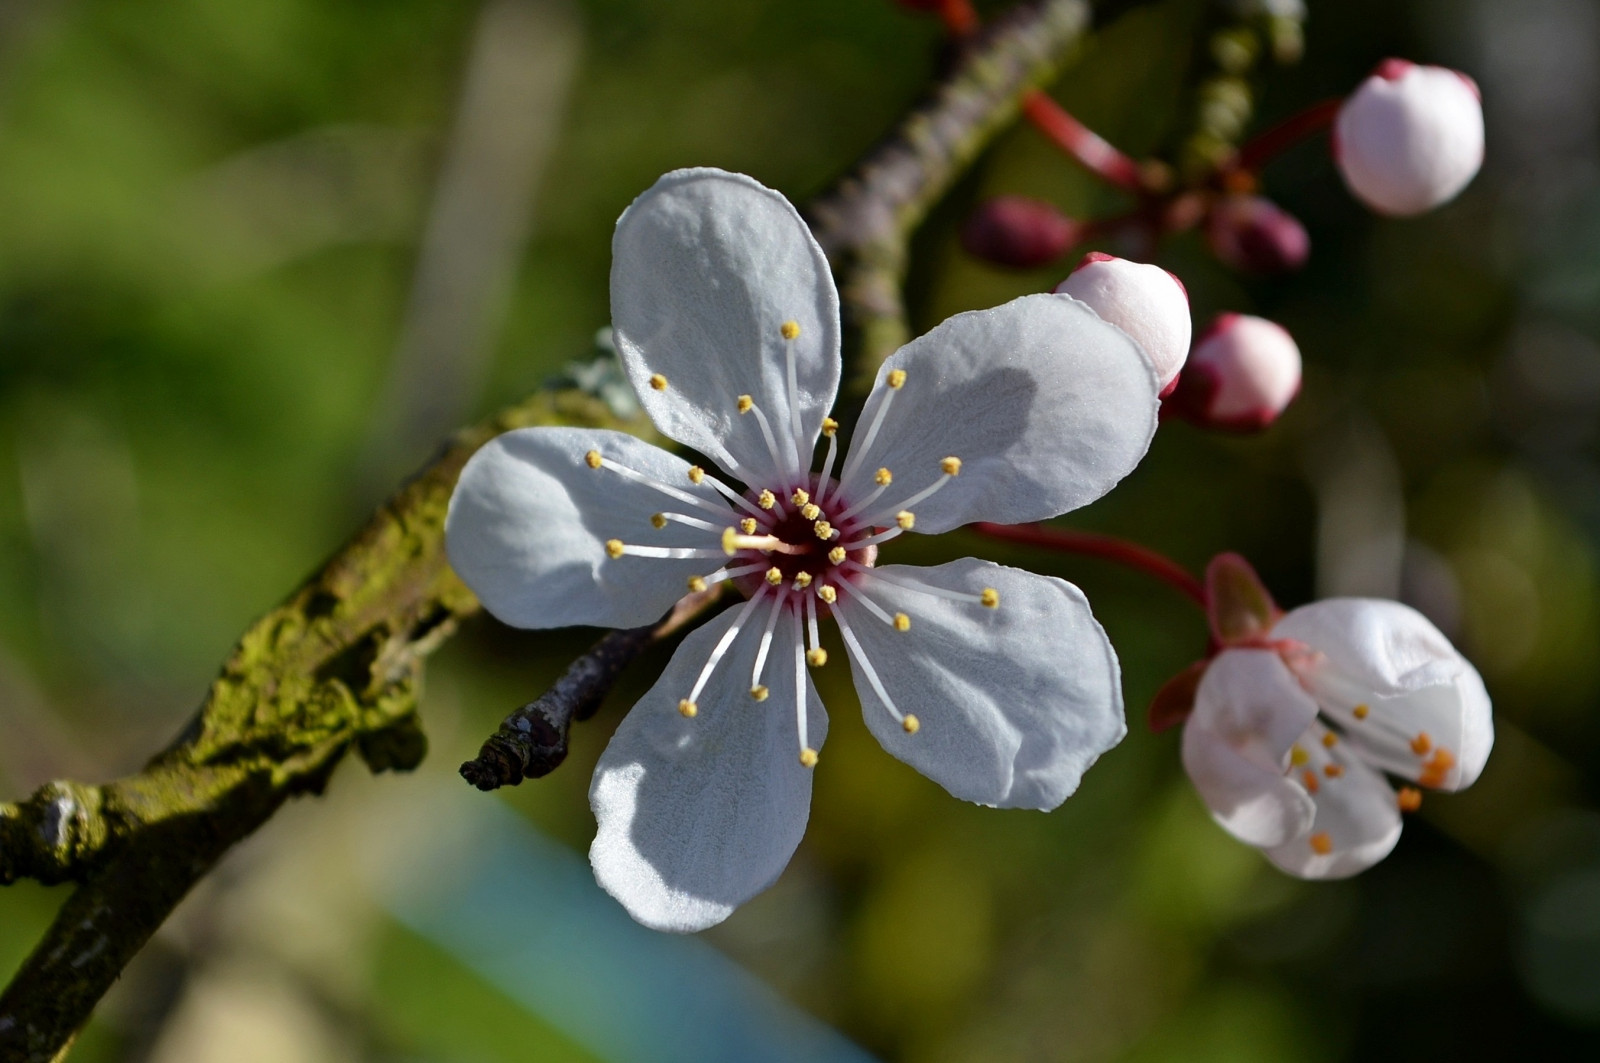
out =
column 525, row 914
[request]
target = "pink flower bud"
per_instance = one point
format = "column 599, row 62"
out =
column 1410, row 137
column 1145, row 301
column 1018, row 232
column 1256, row 235
column 1243, row 373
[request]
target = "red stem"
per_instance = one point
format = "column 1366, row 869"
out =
column 1105, row 547
column 1081, row 142
column 1287, row 133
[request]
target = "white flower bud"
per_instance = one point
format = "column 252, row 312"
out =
column 1145, row 301
column 1410, row 137
column 1243, row 373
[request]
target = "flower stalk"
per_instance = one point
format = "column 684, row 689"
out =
column 1106, row 548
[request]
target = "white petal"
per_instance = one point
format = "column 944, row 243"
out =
column 1357, row 821
column 1014, row 703
column 696, row 816
column 1391, row 658
column 1141, row 299
column 1250, row 700
column 529, row 520
column 1257, row 805
column 707, row 266
column 1046, row 405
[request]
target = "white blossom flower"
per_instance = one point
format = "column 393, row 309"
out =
column 996, row 683
column 1295, row 729
column 1410, row 137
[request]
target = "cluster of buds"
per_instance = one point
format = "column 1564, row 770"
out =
column 1407, row 140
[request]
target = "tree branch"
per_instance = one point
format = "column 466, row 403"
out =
column 333, row 669
column 865, row 223
column 337, row 666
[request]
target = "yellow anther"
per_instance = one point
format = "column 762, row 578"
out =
column 837, row 555
column 730, row 541
column 829, row 426
column 817, row 658
column 1332, row 771
column 808, row 757
column 1421, row 744
column 911, row 725
column 883, row 478
column 906, row 519
column 658, row 381
column 697, row 584
column 774, row 575
column 593, row 459
column 767, row 500
column 748, row 525
column 951, row 466
column 823, row 529
column 802, row 581
column 759, row 692
column 1409, row 798
column 790, row 329
column 811, row 511
column 746, row 403
column 658, row 520
column 800, row 496
column 1360, row 712
column 897, row 378
column 688, row 708
column 902, row 622
column 828, row 594
column 696, row 474
column 990, row 598
column 1298, row 756
column 1321, row 844
column 1330, row 739
column 614, row 548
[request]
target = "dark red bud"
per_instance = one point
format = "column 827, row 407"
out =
column 1018, row 232
column 1256, row 235
column 1175, row 700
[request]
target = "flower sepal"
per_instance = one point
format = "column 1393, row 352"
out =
column 1174, row 702
column 1239, row 607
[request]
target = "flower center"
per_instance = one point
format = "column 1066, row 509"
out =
column 801, row 543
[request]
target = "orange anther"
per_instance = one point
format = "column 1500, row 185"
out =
column 1421, row 744
column 1311, row 781
column 1332, row 771
column 1409, row 798
column 1330, row 739
column 1321, row 844
column 1442, row 759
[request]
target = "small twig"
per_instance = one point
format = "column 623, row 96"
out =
column 532, row 742
column 865, row 223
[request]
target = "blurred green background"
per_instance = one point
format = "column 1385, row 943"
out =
column 258, row 256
